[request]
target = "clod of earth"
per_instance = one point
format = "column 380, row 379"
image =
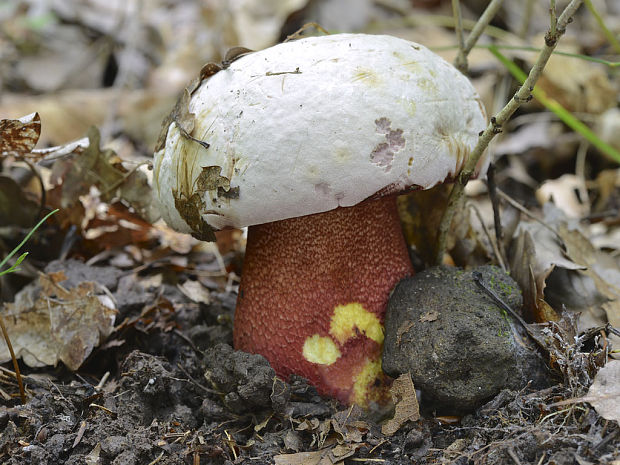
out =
column 460, row 347
column 307, row 143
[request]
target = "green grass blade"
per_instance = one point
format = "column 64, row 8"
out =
column 16, row 249
column 562, row 113
column 15, row 266
column 606, row 32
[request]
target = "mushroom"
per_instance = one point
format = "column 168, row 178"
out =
column 308, row 143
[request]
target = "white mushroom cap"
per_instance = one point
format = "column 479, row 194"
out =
column 307, row 126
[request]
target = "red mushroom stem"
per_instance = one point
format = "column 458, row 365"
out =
column 313, row 295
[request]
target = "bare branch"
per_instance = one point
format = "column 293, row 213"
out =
column 476, row 32
column 495, row 126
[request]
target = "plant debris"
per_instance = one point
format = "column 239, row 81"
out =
column 124, row 327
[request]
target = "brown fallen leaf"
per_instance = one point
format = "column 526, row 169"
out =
column 329, row 456
column 195, row 291
column 19, row 136
column 599, row 269
column 578, row 85
column 604, row 393
column 565, row 194
column 429, row 316
column 88, row 165
column 535, row 253
column 48, row 323
column 406, row 404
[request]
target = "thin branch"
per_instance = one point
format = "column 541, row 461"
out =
column 461, row 59
column 497, row 222
column 527, row 17
column 492, row 241
column 476, row 32
column 524, row 94
column 18, row 376
column 552, row 18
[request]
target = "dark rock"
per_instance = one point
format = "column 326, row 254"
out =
column 459, row 346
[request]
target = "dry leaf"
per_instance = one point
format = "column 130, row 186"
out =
column 48, row 323
column 195, row 291
column 604, row 394
column 293, row 441
column 578, row 85
column 327, row 456
column 565, row 270
column 92, row 458
column 540, row 134
column 19, row 136
column 74, row 175
column 429, row 316
column 563, row 192
column 257, row 23
column 406, row 404
column 602, row 270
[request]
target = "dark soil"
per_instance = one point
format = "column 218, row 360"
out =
column 167, row 388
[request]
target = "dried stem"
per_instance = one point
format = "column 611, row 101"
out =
column 458, row 29
column 499, row 233
column 527, row 17
column 524, row 94
column 22, row 393
column 461, row 60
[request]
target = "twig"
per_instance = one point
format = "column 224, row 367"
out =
column 526, row 212
column 497, row 222
column 476, row 32
column 458, row 30
column 157, row 459
column 580, row 169
column 513, row 456
column 103, row 380
column 18, row 376
column 478, row 279
column 494, row 245
column 297, row 34
column 527, row 15
column 553, row 19
column 495, row 126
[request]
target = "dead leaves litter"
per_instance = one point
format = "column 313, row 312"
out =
column 49, row 323
column 406, row 404
column 604, row 393
column 19, row 136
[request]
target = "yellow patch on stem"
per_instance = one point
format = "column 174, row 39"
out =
column 321, row 350
column 364, row 390
column 353, row 315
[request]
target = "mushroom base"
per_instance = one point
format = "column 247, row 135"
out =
column 313, row 296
